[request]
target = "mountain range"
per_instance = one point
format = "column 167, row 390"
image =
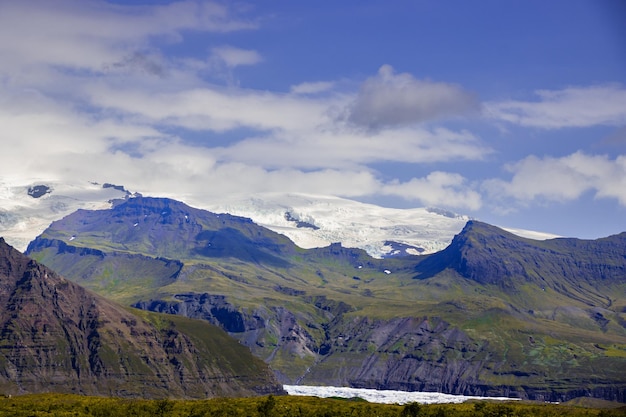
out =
column 58, row 337
column 28, row 207
column 492, row 314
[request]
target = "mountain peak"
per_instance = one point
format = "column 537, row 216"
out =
column 571, row 267
column 172, row 230
column 481, row 228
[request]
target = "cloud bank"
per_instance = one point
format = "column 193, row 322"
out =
column 570, row 107
column 90, row 90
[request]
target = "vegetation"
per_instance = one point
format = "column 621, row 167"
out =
column 493, row 311
column 281, row 406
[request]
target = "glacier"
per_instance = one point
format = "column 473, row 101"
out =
column 354, row 224
column 385, row 396
column 310, row 221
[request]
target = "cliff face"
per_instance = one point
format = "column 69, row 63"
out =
column 57, row 337
column 407, row 353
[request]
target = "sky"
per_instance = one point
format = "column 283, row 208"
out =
column 509, row 111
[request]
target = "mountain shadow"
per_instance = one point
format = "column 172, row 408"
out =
column 232, row 243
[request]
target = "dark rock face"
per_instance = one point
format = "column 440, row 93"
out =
column 37, row 191
column 57, row 337
column 212, row 308
column 299, row 223
column 401, row 249
column 115, row 187
column 407, row 353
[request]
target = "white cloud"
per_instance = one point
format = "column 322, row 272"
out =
column 438, row 188
column 57, row 142
column 91, row 34
column 570, row 107
column 312, row 87
column 562, row 179
column 234, row 57
column 212, row 108
column 87, row 93
column 390, row 99
column 344, row 147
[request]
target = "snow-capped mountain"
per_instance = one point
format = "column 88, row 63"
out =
column 315, row 221
column 27, row 207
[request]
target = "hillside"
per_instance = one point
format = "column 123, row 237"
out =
column 492, row 314
column 58, row 337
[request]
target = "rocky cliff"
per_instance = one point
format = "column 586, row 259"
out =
column 58, row 337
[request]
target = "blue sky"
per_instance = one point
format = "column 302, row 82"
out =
column 513, row 112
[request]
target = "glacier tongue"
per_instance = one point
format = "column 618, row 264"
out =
column 384, row 396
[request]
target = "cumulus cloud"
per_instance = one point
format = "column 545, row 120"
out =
column 390, row 99
column 438, row 188
column 570, row 107
column 562, row 179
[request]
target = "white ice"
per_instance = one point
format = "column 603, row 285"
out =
column 384, row 396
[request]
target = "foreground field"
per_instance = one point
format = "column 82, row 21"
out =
column 278, row 406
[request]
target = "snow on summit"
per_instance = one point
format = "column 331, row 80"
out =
column 27, row 207
column 315, row 221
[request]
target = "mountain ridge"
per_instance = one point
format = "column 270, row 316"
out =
column 381, row 231
column 338, row 316
column 489, row 255
column 27, row 207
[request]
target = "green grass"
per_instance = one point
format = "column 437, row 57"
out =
column 285, row 406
